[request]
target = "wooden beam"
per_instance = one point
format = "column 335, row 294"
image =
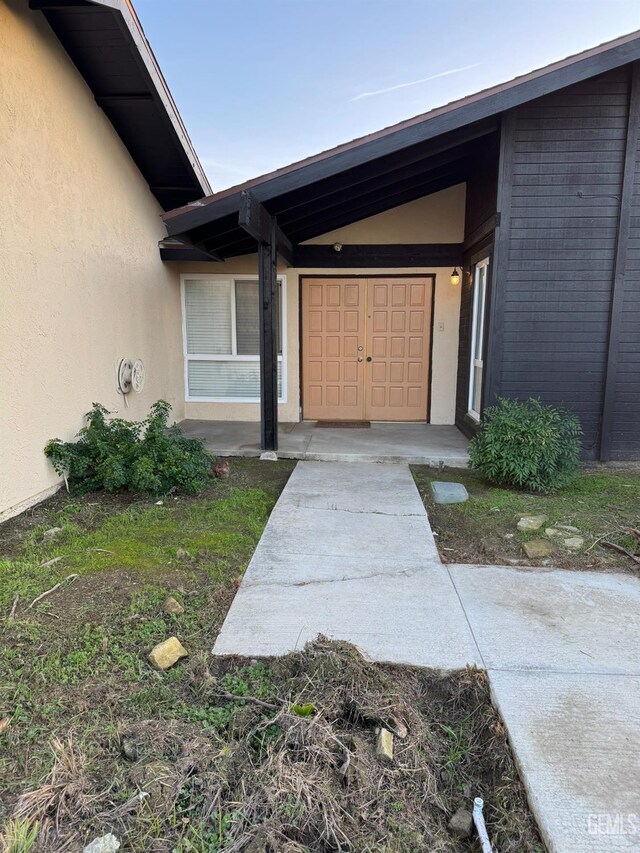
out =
column 483, row 230
column 268, row 344
column 385, row 255
column 499, row 261
column 258, row 222
column 620, row 263
column 182, row 252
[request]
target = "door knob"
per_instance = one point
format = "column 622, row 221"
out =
column 359, row 358
column 368, row 358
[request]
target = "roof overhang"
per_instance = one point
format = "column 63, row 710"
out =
column 105, row 41
column 385, row 169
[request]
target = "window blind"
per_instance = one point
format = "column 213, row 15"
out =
column 208, row 317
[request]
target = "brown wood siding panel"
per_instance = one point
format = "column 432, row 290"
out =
column 568, row 156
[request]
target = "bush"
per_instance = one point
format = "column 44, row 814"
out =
column 527, row 445
column 141, row 456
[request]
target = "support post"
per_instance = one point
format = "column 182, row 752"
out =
column 268, row 345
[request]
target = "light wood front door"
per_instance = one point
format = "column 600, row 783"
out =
column 365, row 348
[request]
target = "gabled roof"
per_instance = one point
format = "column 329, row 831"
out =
column 105, row 41
column 386, row 168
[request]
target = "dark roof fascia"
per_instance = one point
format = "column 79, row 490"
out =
column 127, row 20
column 451, row 117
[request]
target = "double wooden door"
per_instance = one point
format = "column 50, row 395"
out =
column 365, row 348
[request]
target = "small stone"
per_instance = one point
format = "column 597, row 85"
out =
column 183, row 554
column 461, row 824
column 553, row 532
column 569, row 528
column 384, row 744
column 508, row 535
column 105, row 844
column 537, row 548
column 172, row 607
column 51, row 532
column 574, row 543
column 532, row 522
column 165, row 654
column 269, row 456
column 448, row 493
column 128, row 748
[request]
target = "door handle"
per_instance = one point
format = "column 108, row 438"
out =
column 368, row 358
column 359, row 358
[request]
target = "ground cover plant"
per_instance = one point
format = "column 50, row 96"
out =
column 603, row 505
column 527, row 445
column 141, row 456
column 214, row 755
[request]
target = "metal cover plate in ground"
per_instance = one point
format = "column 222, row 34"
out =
column 448, row 493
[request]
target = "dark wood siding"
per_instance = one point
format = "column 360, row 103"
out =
column 626, row 406
column 555, row 274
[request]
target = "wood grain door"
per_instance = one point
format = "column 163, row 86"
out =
column 333, row 339
column 397, row 349
column 365, row 348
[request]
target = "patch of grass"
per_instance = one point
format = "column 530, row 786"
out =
column 77, row 660
column 483, row 530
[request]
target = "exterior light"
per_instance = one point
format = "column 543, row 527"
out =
column 455, row 277
column 337, row 247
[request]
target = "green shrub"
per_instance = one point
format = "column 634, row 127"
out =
column 141, row 456
column 527, row 445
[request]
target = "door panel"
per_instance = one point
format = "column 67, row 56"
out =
column 390, row 320
column 333, row 327
column 398, row 329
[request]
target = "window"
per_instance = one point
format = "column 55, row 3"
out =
column 222, row 338
column 477, row 337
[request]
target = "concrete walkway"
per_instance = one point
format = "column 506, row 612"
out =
column 349, row 552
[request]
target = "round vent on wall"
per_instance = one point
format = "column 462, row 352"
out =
column 137, row 376
column 125, row 370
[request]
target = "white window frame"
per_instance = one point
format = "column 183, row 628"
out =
column 477, row 331
column 233, row 356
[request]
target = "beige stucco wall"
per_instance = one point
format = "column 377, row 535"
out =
column 436, row 218
column 81, row 282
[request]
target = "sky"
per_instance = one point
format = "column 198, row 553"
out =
column 263, row 83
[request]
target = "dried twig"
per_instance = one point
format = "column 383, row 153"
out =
column 254, row 700
column 52, row 562
column 634, row 531
column 621, row 550
column 12, row 614
column 69, row 579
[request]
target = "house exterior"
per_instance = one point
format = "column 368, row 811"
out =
column 322, row 291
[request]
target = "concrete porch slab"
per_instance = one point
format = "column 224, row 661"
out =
column 413, row 443
column 576, row 738
column 528, row 619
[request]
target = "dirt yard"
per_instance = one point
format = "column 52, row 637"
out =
column 94, row 740
column 601, row 506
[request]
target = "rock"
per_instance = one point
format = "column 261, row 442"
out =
column 51, row 532
column 172, row 607
column 183, row 554
column 384, row 744
column 165, row 654
column 269, row 456
column 553, row 532
column 105, row 844
column 574, row 543
column 448, row 493
column 532, row 522
column 537, row 548
column 461, row 824
column 569, row 528
column 508, row 535
column 128, row 748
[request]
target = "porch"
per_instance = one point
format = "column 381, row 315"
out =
column 413, row 443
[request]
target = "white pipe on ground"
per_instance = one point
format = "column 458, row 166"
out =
column 478, row 819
